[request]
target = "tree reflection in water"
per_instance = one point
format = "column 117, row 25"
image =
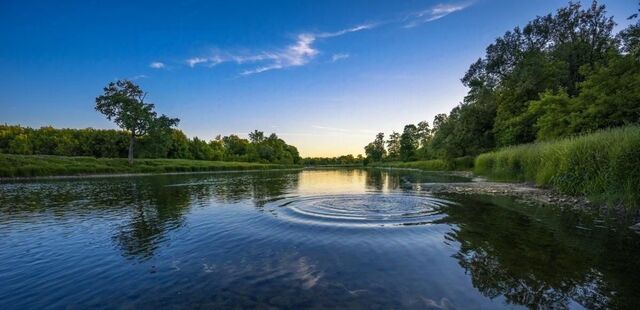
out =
column 539, row 264
column 155, row 211
column 158, row 205
column 527, row 256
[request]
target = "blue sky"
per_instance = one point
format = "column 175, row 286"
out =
column 324, row 75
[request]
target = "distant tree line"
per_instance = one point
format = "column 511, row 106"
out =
column 560, row 75
column 171, row 143
column 334, row 161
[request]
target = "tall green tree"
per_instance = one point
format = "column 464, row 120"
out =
column 123, row 102
column 375, row 150
column 423, row 132
column 158, row 140
column 609, row 97
column 409, row 142
column 393, row 146
column 256, row 136
column 548, row 54
column 235, row 147
column 179, row 146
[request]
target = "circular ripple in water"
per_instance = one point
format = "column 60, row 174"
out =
column 361, row 209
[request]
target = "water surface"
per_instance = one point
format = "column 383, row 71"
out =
column 340, row 238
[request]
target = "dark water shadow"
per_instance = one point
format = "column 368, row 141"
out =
column 544, row 258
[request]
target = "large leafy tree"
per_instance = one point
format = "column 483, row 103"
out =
column 423, row 133
column 548, row 54
column 271, row 149
column 409, row 141
column 610, row 97
column 123, row 102
column 235, row 146
column 375, row 150
column 256, row 136
column 393, row 146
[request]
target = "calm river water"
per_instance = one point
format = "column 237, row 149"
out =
column 357, row 239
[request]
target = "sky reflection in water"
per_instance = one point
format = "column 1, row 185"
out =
column 317, row 238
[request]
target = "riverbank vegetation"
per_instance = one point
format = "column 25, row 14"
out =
column 108, row 143
column 604, row 166
column 28, row 152
column 12, row 166
column 546, row 96
column 560, row 75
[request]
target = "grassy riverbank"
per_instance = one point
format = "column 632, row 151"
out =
column 457, row 164
column 604, row 166
column 44, row 165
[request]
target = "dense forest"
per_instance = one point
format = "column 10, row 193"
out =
column 105, row 143
column 560, row 75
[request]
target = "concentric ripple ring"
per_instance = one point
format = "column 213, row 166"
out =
column 360, row 210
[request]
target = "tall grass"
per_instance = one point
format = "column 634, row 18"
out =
column 604, row 165
column 45, row 165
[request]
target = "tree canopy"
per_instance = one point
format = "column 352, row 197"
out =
column 375, row 150
column 562, row 74
column 123, row 102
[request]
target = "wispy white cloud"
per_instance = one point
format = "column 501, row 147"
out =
column 157, row 65
column 298, row 53
column 196, row 60
column 139, row 77
column 348, row 30
column 303, row 49
column 210, row 61
column 262, row 69
column 339, row 56
column 433, row 13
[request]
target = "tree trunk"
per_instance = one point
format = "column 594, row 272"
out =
column 132, row 140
